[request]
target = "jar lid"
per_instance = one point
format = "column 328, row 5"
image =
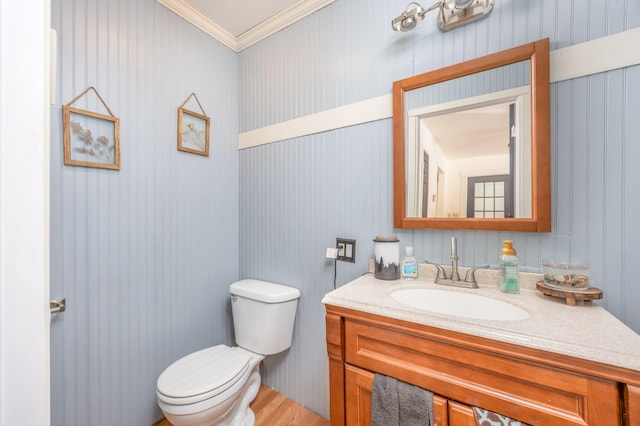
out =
column 390, row 239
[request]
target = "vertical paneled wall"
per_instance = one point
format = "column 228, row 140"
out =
column 297, row 196
column 143, row 255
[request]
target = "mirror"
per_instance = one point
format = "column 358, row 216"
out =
column 472, row 144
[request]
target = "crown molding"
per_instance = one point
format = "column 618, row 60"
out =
column 282, row 20
column 274, row 24
column 191, row 15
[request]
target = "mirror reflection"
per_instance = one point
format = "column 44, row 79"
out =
column 468, row 149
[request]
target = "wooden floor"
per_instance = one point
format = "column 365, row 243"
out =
column 274, row 409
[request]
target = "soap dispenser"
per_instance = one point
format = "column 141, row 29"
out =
column 509, row 269
column 409, row 265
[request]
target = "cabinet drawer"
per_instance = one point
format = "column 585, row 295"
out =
column 527, row 391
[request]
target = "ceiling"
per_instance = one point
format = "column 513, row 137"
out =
column 475, row 132
column 240, row 24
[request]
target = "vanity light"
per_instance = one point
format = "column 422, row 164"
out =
column 453, row 13
column 413, row 14
column 462, row 4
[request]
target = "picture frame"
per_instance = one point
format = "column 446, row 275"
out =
column 193, row 132
column 91, row 139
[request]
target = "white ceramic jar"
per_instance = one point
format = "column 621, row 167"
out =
column 387, row 258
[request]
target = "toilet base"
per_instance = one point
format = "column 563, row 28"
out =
column 233, row 411
column 242, row 414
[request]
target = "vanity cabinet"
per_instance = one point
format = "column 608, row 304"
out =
column 463, row 371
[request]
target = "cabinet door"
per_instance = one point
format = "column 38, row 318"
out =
column 358, row 385
column 632, row 404
column 460, row 414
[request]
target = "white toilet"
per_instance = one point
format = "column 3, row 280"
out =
column 215, row 386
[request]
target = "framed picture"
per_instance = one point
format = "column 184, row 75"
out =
column 193, row 132
column 91, row 139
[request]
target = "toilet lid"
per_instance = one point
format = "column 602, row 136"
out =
column 207, row 373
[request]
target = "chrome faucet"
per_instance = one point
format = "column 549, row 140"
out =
column 454, row 280
column 455, row 276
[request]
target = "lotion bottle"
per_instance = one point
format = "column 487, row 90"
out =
column 509, row 269
column 409, row 265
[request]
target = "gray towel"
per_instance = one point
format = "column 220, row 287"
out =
column 395, row 403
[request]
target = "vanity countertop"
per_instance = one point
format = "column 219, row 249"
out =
column 587, row 331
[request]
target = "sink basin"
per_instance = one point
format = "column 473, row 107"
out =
column 459, row 304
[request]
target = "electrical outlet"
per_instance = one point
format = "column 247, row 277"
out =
column 346, row 250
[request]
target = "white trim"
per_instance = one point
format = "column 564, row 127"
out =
column 274, row 24
column 591, row 57
column 476, row 101
column 25, row 112
column 53, row 66
column 186, row 11
column 283, row 19
column 344, row 116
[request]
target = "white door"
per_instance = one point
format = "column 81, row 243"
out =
column 24, row 212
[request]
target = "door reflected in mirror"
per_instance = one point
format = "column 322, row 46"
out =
column 471, row 144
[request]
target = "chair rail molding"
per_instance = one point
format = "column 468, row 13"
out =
column 612, row 52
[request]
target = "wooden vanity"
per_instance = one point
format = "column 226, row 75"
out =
column 530, row 384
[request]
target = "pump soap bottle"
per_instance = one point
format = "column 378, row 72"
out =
column 409, row 265
column 509, row 268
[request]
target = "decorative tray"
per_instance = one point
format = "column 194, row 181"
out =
column 571, row 297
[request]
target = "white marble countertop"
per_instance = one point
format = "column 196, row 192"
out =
column 583, row 331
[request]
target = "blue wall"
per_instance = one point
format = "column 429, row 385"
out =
column 298, row 195
column 143, row 255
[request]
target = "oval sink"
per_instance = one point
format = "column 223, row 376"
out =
column 459, row 304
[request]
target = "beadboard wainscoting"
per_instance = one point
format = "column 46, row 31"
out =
column 143, row 255
column 322, row 180
column 565, row 64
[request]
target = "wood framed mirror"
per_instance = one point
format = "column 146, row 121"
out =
column 445, row 177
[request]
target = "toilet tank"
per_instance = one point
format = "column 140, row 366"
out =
column 263, row 315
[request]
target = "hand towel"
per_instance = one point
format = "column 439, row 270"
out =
column 395, row 403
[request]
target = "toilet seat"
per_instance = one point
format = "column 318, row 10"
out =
column 202, row 375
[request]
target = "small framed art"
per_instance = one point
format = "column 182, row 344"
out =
column 193, row 132
column 91, row 139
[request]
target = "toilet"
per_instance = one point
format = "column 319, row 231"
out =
column 214, row 386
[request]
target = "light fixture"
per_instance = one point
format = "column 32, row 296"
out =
column 453, row 13
column 462, row 4
column 413, row 14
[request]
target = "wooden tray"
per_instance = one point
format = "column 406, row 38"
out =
column 571, row 297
